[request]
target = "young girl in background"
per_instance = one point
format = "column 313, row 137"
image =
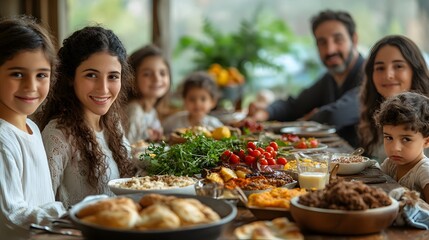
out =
column 27, row 57
column 152, row 82
column 81, row 120
column 394, row 65
column 404, row 120
column 200, row 94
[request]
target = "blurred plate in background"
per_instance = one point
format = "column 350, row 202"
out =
column 313, row 131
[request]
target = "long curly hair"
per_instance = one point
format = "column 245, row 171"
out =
column 369, row 134
column 62, row 103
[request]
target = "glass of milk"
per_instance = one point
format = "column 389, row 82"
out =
column 313, row 169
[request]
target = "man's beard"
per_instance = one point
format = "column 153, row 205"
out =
column 341, row 68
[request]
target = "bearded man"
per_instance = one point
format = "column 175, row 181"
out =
column 334, row 98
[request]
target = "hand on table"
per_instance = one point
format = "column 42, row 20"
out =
column 257, row 112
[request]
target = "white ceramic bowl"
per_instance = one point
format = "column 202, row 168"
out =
column 352, row 167
column 343, row 222
column 118, row 190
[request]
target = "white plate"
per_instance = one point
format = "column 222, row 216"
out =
column 277, row 126
column 113, row 185
column 312, row 131
column 320, row 146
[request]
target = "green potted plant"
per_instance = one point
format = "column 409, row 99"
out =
column 256, row 43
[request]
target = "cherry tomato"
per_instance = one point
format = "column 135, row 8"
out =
column 241, row 154
column 314, row 143
column 274, row 145
column 234, row 159
column 271, row 161
column 263, row 161
column 268, row 155
column 249, row 159
column 301, row 145
column 281, row 161
column 225, row 155
column 269, row 149
column 292, row 137
column 261, row 149
column 274, row 154
column 256, row 153
column 251, row 145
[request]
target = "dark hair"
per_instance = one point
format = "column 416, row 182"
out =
column 370, row 99
column 340, row 16
column 136, row 58
column 202, row 80
column 22, row 33
column 409, row 108
column 62, row 103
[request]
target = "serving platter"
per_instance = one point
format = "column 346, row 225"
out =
column 226, row 211
column 320, row 146
column 312, row 131
column 276, row 126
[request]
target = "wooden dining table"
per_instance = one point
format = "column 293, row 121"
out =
column 372, row 176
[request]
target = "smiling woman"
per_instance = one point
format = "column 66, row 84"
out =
column 83, row 115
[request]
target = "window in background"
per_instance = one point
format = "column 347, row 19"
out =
column 301, row 64
column 131, row 20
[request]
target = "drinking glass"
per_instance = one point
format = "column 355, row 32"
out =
column 313, row 169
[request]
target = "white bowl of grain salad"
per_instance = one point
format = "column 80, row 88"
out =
column 350, row 164
column 162, row 184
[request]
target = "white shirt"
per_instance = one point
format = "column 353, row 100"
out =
column 25, row 184
column 181, row 120
column 415, row 179
column 140, row 121
column 68, row 170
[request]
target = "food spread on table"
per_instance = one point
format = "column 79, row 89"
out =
column 263, row 167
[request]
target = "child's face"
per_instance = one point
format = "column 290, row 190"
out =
column 403, row 146
column 98, row 82
column 392, row 73
column 198, row 102
column 153, row 77
column 24, row 82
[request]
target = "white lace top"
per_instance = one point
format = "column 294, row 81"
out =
column 26, row 194
column 415, row 179
column 140, row 121
column 68, row 170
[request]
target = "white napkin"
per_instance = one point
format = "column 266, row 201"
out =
column 413, row 211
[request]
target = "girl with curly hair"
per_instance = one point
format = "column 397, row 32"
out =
column 81, row 121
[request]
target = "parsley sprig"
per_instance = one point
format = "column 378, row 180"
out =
column 188, row 158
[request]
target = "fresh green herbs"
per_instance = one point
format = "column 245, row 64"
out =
column 188, row 158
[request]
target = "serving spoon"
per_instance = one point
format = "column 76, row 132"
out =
column 358, row 151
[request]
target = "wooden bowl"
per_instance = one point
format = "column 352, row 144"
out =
column 343, row 222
